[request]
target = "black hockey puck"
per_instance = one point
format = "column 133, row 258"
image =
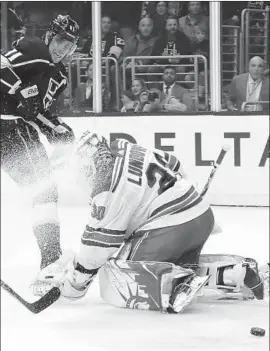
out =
column 257, row 331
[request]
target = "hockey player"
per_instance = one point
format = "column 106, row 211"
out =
column 147, row 226
column 140, row 199
column 32, row 76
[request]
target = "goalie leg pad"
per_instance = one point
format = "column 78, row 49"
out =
column 139, row 285
column 232, row 273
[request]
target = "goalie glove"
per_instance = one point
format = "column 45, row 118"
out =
column 77, row 282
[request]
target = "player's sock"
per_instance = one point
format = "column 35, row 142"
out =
column 48, row 239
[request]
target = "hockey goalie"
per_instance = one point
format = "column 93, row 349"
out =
column 147, row 226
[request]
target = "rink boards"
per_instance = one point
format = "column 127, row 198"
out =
column 197, row 140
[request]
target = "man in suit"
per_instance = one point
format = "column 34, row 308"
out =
column 250, row 87
column 171, row 88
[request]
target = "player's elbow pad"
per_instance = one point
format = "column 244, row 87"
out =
column 115, row 52
column 9, row 79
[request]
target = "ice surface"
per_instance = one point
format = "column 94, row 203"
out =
column 92, row 325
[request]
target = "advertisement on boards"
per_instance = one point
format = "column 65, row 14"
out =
column 243, row 178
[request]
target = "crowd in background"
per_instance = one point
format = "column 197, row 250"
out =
column 153, row 29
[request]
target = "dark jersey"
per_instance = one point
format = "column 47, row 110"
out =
column 108, row 41
column 165, row 47
column 30, row 64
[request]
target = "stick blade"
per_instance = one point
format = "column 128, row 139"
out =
column 46, row 301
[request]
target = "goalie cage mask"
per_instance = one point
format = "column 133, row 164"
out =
column 96, row 158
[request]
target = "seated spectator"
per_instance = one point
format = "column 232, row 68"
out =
column 84, row 93
column 194, row 18
column 169, row 87
column 138, row 86
column 111, row 45
column 157, row 103
column 134, row 99
column 200, row 46
column 172, row 43
column 127, row 101
column 250, row 87
column 160, row 16
column 141, row 44
column 174, row 8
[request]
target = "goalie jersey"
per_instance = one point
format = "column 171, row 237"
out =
column 148, row 190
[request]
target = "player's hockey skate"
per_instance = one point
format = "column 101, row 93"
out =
column 184, row 292
column 53, row 275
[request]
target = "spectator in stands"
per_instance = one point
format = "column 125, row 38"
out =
column 141, row 44
column 172, row 43
column 84, row 93
column 158, row 103
column 250, row 87
column 194, row 18
column 111, row 45
column 135, row 99
column 138, row 86
column 160, row 18
column 127, row 101
column 200, row 46
column 174, row 8
column 170, row 88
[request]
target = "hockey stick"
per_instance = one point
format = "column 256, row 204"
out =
column 39, row 305
column 217, row 163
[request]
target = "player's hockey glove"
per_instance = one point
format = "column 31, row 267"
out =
column 29, row 103
column 55, row 130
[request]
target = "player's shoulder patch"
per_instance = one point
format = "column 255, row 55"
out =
column 118, row 147
column 34, row 48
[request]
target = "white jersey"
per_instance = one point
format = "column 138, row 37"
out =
column 147, row 191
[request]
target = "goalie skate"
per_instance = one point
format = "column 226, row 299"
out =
column 184, row 292
column 52, row 275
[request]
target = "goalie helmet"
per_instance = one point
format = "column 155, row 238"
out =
column 96, row 159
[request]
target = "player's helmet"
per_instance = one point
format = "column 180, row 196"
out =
column 62, row 37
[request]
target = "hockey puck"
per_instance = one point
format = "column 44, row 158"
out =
column 257, row 331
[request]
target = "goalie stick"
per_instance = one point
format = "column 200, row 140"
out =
column 217, row 163
column 39, row 305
